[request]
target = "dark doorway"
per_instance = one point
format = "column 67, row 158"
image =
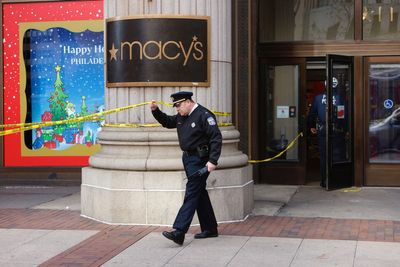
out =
column 315, row 85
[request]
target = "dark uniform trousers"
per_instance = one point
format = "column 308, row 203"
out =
column 196, row 197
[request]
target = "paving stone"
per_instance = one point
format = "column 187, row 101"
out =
column 31, row 247
column 325, row 253
column 371, row 254
column 209, row 252
column 266, row 251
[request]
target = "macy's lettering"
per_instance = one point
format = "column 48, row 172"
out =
column 195, row 49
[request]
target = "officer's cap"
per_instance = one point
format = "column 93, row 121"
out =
column 180, row 96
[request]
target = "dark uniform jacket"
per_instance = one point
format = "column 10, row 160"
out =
column 196, row 130
column 316, row 117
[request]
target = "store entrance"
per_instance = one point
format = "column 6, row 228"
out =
column 287, row 90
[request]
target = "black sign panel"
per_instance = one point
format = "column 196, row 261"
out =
column 157, row 51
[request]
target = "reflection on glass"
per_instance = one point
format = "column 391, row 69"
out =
column 282, row 103
column 297, row 20
column 380, row 19
column 341, row 114
column 384, row 113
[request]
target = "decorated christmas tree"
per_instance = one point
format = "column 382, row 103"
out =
column 57, row 99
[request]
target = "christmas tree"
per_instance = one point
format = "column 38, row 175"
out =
column 57, row 99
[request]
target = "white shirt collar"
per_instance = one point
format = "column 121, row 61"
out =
column 194, row 107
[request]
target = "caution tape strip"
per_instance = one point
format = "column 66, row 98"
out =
column 137, row 125
column 291, row 144
column 351, row 190
column 100, row 116
column 72, row 120
column 91, row 117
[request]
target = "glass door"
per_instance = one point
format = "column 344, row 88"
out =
column 280, row 120
column 382, row 127
column 339, row 122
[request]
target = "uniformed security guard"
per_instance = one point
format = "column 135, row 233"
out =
column 201, row 142
column 316, row 122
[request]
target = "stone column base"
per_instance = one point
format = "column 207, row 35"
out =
column 154, row 197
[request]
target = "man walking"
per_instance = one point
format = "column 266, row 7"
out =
column 200, row 140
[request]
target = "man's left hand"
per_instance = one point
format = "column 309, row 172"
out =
column 211, row 166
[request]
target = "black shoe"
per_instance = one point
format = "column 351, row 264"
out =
column 176, row 236
column 322, row 184
column 206, row 234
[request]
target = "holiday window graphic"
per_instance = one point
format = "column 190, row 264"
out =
column 66, row 82
column 76, row 16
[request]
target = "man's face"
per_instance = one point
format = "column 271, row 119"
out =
column 184, row 107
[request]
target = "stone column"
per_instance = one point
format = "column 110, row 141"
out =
column 138, row 177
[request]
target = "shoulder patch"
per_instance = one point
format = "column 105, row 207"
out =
column 211, row 121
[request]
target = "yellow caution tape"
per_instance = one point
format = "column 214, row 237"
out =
column 219, row 113
column 291, row 144
column 137, row 125
column 91, row 117
column 100, row 116
column 131, row 125
column 50, row 123
column 221, row 124
column 351, row 190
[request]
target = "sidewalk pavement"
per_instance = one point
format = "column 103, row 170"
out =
column 290, row 226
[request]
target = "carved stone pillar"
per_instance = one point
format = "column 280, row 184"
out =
column 138, row 177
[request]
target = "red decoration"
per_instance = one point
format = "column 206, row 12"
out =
column 50, row 144
column 58, row 137
column 46, row 116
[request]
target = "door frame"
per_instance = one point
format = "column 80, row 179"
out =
column 279, row 172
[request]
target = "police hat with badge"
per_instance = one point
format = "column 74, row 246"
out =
column 180, row 97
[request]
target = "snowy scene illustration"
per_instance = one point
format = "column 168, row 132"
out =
column 67, row 82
